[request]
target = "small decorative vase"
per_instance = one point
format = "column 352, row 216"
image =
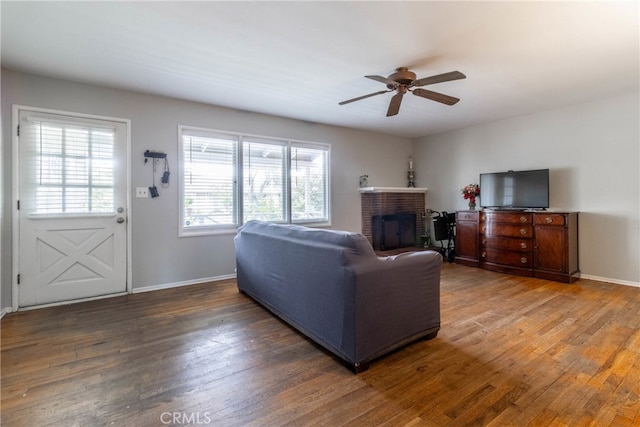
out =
column 364, row 181
column 472, row 206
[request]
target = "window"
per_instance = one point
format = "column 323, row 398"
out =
column 277, row 180
column 208, row 181
column 73, row 168
column 264, row 185
column 309, row 184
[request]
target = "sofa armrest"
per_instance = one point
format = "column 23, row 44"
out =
column 395, row 298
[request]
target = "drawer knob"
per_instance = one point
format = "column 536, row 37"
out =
column 484, row 241
column 548, row 220
column 523, row 260
column 484, row 254
column 523, row 245
column 523, row 231
column 523, row 218
column 484, row 228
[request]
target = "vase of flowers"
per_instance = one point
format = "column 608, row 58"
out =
column 470, row 192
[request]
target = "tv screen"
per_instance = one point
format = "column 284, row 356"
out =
column 515, row 190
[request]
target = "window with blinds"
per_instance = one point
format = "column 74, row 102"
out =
column 264, row 185
column 229, row 179
column 73, row 168
column 309, row 184
column 208, row 181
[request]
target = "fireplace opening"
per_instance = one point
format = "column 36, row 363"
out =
column 393, row 231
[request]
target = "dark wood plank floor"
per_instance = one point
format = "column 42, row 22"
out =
column 512, row 351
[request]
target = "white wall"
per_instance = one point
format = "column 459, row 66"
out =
column 1, row 205
column 592, row 151
column 159, row 256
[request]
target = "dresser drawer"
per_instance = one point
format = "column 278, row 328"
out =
column 510, row 258
column 507, row 217
column 550, row 219
column 467, row 216
column 507, row 243
column 507, row 230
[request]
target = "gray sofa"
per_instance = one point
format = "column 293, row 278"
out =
column 331, row 286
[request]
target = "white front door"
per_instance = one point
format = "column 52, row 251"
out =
column 72, row 207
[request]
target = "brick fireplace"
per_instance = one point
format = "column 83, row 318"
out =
column 385, row 205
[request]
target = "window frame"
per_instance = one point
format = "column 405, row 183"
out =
column 280, row 144
column 327, row 184
column 212, row 229
column 238, row 189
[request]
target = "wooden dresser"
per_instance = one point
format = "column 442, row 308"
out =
column 467, row 238
column 540, row 244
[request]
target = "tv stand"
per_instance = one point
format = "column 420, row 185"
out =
column 538, row 244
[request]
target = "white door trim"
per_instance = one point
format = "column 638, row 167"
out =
column 15, row 249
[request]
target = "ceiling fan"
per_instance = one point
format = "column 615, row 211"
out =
column 403, row 81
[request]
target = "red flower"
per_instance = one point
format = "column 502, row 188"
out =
column 470, row 192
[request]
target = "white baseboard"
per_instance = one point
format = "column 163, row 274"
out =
column 185, row 283
column 608, row 280
column 5, row 311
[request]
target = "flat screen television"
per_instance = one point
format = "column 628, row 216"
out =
column 515, row 189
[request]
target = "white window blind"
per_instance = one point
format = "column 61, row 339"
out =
column 73, row 167
column 264, row 184
column 309, row 184
column 208, row 181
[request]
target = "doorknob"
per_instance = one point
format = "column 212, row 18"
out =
column 119, row 220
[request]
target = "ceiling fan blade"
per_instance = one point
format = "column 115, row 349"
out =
column 435, row 96
column 363, row 97
column 453, row 75
column 383, row 80
column 394, row 105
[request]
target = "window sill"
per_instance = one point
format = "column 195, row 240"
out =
column 207, row 232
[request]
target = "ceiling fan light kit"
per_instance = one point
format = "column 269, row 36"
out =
column 403, row 81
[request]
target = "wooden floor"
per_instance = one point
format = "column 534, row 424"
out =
column 512, row 351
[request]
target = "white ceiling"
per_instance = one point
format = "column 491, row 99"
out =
column 299, row 59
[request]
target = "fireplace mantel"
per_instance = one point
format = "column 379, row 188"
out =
column 392, row 190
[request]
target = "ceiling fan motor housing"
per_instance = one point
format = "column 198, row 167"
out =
column 402, row 76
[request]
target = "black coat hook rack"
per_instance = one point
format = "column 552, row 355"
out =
column 155, row 154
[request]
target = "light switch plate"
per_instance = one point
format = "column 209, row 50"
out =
column 142, row 192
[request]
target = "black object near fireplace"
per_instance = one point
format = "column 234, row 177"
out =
column 393, row 231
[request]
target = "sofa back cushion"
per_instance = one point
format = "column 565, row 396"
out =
column 356, row 243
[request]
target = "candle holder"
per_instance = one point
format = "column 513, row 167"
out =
column 411, row 175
